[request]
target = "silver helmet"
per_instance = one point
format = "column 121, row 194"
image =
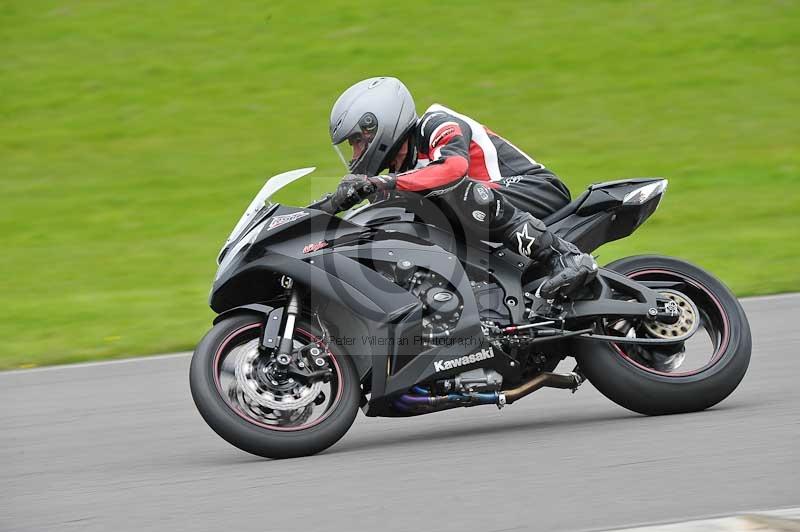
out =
column 373, row 116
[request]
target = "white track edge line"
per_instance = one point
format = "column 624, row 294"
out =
column 78, row 365
column 694, row 519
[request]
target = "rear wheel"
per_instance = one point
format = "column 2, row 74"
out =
column 693, row 376
column 248, row 400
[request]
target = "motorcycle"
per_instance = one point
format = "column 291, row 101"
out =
column 385, row 310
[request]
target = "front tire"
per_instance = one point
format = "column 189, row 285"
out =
column 252, row 427
column 632, row 380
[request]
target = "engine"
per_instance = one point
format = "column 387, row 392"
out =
column 491, row 306
column 441, row 303
column 442, row 309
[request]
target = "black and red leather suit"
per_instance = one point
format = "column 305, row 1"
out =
column 489, row 184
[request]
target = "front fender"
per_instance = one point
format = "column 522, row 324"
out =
column 256, row 308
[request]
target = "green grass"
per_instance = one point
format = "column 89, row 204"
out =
column 134, row 133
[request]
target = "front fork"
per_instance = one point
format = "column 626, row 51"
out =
column 285, row 364
column 283, row 353
column 273, row 343
column 292, row 310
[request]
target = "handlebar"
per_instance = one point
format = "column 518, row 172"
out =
column 325, row 204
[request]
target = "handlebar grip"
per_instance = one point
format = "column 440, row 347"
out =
column 325, row 204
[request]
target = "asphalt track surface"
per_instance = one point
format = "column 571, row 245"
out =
column 120, row 447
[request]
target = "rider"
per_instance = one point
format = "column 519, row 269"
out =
column 490, row 185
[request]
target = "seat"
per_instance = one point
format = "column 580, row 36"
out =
column 606, row 197
column 568, row 209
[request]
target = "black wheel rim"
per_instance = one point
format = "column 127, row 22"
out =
column 703, row 350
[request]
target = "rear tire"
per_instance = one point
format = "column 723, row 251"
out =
column 235, row 428
column 651, row 392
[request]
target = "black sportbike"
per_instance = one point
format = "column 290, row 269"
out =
column 381, row 309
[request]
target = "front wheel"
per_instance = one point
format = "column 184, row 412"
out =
column 690, row 377
column 254, row 404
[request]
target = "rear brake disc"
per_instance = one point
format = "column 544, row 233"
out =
column 686, row 324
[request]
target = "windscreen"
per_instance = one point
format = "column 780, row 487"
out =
column 273, row 185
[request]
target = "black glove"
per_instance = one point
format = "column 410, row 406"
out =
column 353, row 188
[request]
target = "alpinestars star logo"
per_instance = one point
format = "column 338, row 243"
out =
column 285, row 219
column 525, row 241
column 444, row 365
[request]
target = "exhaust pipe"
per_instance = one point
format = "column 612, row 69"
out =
column 568, row 381
column 435, row 403
column 424, row 403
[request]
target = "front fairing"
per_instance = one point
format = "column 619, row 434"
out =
column 284, row 233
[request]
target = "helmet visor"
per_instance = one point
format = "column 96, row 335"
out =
column 355, row 149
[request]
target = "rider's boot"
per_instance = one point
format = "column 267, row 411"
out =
column 569, row 269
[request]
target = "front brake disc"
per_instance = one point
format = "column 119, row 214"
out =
column 275, row 398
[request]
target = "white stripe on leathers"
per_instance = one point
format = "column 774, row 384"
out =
column 481, row 138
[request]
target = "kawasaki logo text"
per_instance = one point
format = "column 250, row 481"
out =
column 443, row 365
